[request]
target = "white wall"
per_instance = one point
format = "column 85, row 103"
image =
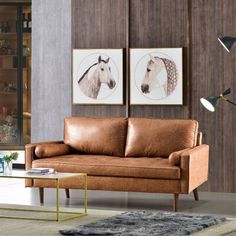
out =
column 51, row 68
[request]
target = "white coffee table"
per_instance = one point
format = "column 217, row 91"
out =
column 57, row 177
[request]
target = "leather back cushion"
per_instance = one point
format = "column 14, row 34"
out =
column 157, row 137
column 103, row 136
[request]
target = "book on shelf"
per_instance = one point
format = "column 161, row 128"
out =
column 41, row 171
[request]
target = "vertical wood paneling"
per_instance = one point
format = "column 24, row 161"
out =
column 213, row 70
column 208, row 68
column 229, row 111
column 205, row 81
column 99, row 24
column 160, row 23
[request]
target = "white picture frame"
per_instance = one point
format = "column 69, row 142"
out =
column 97, row 76
column 156, row 76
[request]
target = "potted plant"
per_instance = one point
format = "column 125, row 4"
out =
column 8, row 162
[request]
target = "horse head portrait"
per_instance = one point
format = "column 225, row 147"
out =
column 97, row 74
column 154, row 78
column 104, row 73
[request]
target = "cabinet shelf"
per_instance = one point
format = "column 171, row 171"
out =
column 11, row 69
column 8, row 34
column 8, row 55
column 8, row 93
column 26, row 35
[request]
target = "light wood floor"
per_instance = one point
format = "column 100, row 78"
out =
column 224, row 204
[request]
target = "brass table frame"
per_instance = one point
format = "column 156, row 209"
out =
column 57, row 177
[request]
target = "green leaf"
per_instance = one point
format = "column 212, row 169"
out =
column 12, row 157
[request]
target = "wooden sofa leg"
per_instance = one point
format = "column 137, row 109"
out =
column 175, row 202
column 195, row 193
column 67, row 193
column 41, row 193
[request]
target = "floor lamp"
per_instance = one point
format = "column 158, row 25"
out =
column 227, row 42
column 210, row 102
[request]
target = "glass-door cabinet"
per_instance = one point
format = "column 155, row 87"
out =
column 15, row 75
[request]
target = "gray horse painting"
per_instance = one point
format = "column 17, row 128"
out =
column 97, row 74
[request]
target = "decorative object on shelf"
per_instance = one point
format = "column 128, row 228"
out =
column 156, row 76
column 29, row 23
column 26, row 50
column 8, row 162
column 2, row 27
column 5, row 27
column 97, row 76
column 1, row 163
column 4, row 110
column 210, row 102
column 25, row 23
column 5, row 48
column 8, row 133
column 227, row 42
column 9, row 120
column 9, row 87
column 8, row 128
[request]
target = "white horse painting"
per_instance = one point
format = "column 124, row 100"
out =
column 97, row 74
column 153, row 77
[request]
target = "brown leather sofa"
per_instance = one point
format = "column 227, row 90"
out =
column 125, row 154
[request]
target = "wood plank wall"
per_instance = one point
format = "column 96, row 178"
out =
column 208, row 68
column 160, row 24
column 212, row 71
column 99, row 24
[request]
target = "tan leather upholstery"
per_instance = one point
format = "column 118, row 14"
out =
column 117, row 184
column 157, row 137
column 104, row 136
column 105, row 142
column 174, row 157
column 112, row 166
column 30, row 156
column 194, row 167
column 48, row 150
column 199, row 138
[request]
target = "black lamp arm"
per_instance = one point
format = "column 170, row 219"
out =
column 230, row 102
column 225, row 99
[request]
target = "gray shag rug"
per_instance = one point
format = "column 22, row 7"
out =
column 140, row 223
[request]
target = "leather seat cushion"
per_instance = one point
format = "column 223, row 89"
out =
column 159, row 137
column 96, row 165
column 102, row 136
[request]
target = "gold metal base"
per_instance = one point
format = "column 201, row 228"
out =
column 74, row 214
column 57, row 211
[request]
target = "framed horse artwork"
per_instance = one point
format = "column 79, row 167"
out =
column 97, row 76
column 156, row 76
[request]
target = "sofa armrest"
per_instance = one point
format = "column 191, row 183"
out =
column 30, row 152
column 194, row 167
column 30, row 156
column 174, row 157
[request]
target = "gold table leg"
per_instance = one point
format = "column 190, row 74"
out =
column 85, row 193
column 57, row 200
column 57, row 211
